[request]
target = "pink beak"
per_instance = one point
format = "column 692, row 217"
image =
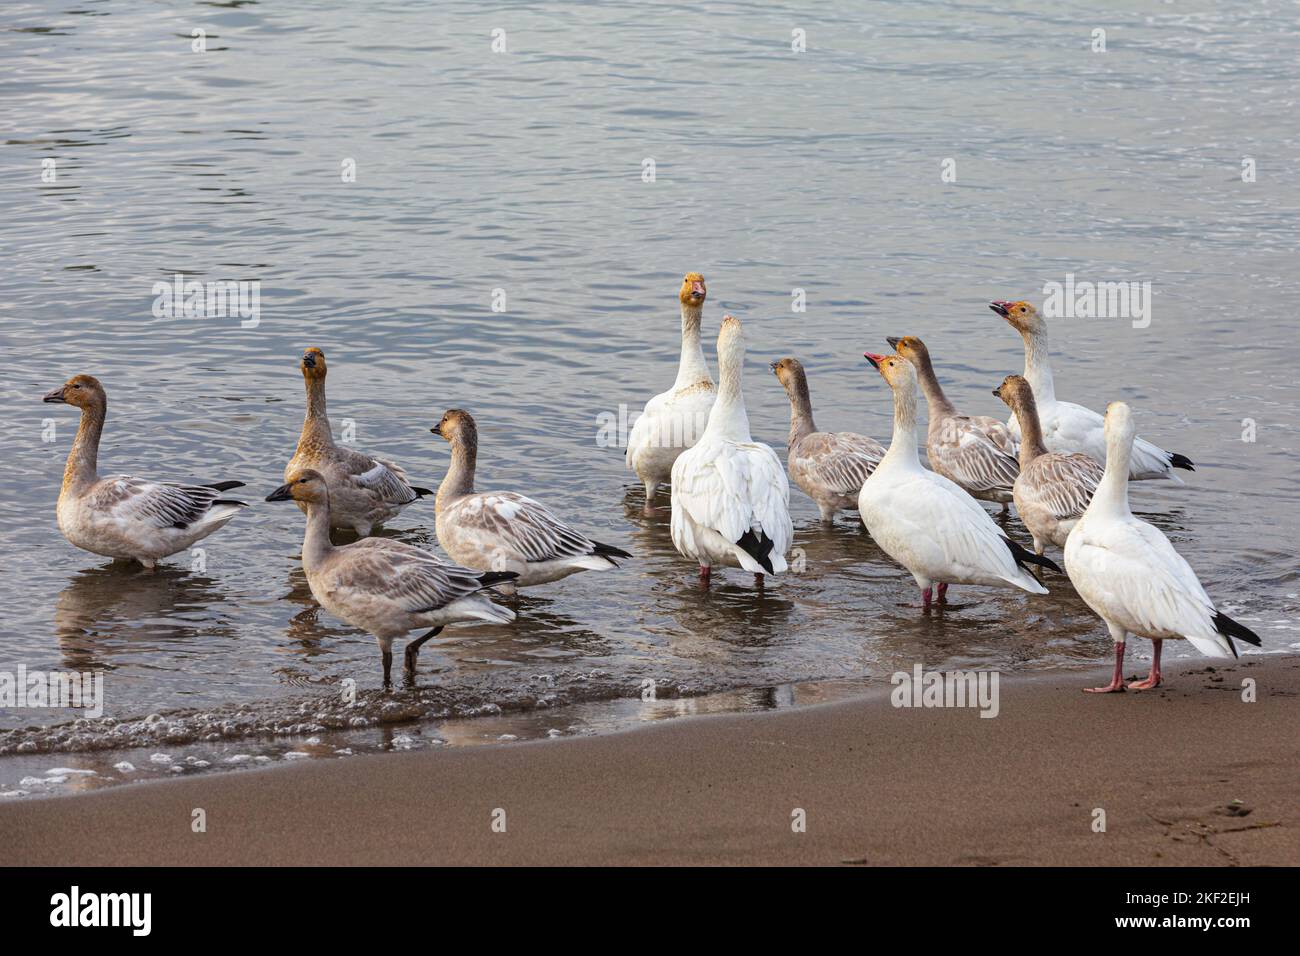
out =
column 873, row 358
column 1001, row 308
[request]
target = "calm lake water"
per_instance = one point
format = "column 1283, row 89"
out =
column 523, row 171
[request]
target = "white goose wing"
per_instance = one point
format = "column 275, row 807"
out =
column 521, row 525
column 414, row 580
column 925, row 520
column 734, row 488
column 972, row 459
column 1062, row 485
column 1129, row 569
column 131, row 501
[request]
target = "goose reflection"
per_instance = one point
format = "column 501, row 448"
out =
column 121, row 608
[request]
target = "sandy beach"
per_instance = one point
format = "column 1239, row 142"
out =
column 878, row 785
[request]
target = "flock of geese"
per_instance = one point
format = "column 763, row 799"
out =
column 1065, row 467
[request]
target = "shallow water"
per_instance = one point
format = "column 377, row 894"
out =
column 523, row 172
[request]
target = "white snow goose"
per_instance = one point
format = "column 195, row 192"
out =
column 927, row 522
column 672, row 421
column 1130, row 575
column 504, row 531
column 830, row 467
column 1068, row 427
column 124, row 517
column 364, row 491
column 731, row 499
column 382, row 586
column 1052, row 490
column 975, row 451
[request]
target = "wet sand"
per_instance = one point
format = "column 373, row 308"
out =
column 879, row 785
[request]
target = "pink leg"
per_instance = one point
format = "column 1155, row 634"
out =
column 1117, row 680
column 943, row 592
column 1153, row 679
column 926, row 597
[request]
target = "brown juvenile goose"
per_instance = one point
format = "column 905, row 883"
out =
column 1052, row 490
column 364, row 491
column 975, row 451
column 383, row 586
column 121, row 516
column 830, row 467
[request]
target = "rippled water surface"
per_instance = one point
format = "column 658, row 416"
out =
column 522, row 171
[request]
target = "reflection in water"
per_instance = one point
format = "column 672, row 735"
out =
column 122, row 609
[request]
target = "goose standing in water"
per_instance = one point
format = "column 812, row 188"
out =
column 927, row 522
column 731, row 499
column 975, row 451
column 383, row 586
column 504, row 531
column 672, row 421
column 364, row 492
column 124, row 517
column 830, row 467
column 1130, row 575
column 1052, row 490
column 1068, row 427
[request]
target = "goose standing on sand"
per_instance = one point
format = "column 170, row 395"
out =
column 1052, row 490
column 383, row 586
column 975, row 451
column 830, row 467
column 1068, row 427
column 927, row 522
column 1130, row 575
column 501, row 530
column 364, row 492
column 731, row 499
column 124, row 517
column 672, row 421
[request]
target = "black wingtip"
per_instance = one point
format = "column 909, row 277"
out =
column 1024, row 556
column 1230, row 629
column 421, row 492
column 1181, row 461
column 225, row 485
column 758, row 547
column 490, row 578
column 609, row 551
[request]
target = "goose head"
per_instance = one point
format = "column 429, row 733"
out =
column 731, row 343
column 1120, row 428
column 305, row 485
column 456, row 425
column 313, row 365
column 788, row 371
column 1014, row 390
column 911, row 348
column 1021, row 316
column 83, row 391
column 693, row 291
column 894, row 369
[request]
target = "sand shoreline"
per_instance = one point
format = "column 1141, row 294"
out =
column 876, row 784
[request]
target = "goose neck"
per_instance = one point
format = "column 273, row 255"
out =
column 82, row 466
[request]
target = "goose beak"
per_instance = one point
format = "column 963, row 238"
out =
column 874, row 359
column 772, row 366
column 893, row 341
column 437, row 429
column 280, row 494
column 309, row 361
column 55, row 397
column 1001, row 308
column 997, row 392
